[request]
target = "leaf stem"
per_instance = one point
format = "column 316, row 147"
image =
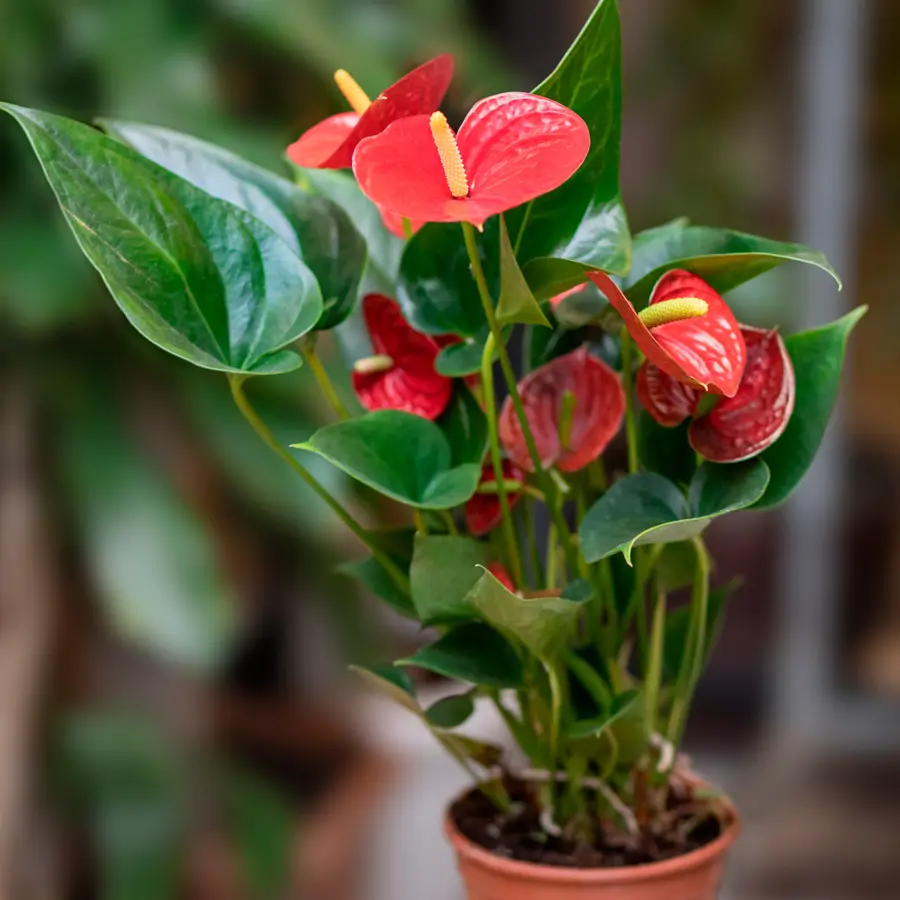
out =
column 509, row 375
column 653, row 673
column 628, row 387
column 265, row 433
column 490, row 411
column 326, row 386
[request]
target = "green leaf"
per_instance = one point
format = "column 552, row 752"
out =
column 676, row 566
column 584, row 220
column 373, row 575
column 436, row 290
column 465, row 425
column 444, row 569
column 400, row 455
column 391, row 682
column 678, row 623
column 648, row 509
column 451, row 712
column 725, row 259
column 195, row 275
column 818, row 358
column 318, row 230
column 542, row 624
column 622, row 705
column 473, row 652
column 464, row 358
column 385, row 249
column 666, row 451
column 516, row 304
column 153, row 564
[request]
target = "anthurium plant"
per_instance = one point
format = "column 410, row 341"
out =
column 544, row 568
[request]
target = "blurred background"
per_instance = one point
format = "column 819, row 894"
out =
column 176, row 720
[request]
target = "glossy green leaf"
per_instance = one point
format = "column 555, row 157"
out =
column 318, row 230
column 648, row 509
column 154, row 566
column 724, row 258
column 372, row 574
column 451, row 712
column 473, row 652
column 390, row 682
column 542, row 624
column 436, row 290
column 818, row 358
column 400, row 455
column 465, row 425
column 385, row 249
column 516, row 304
column 666, row 451
column 584, row 220
column 444, row 569
column 195, row 275
column 464, row 358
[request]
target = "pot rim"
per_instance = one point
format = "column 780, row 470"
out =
column 529, row 871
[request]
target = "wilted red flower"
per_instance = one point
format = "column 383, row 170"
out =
column 401, row 374
column 738, row 427
column 483, row 512
column 687, row 330
column 574, row 405
column 498, row 570
column 330, row 144
column 510, row 149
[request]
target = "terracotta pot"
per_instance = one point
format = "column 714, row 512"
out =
column 694, row 876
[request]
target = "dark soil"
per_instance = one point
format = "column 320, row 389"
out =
column 687, row 824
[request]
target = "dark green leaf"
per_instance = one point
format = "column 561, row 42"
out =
column 666, row 451
column 373, row 575
column 451, row 712
column 318, row 230
column 584, row 220
column 195, row 275
column 464, row 358
column 444, row 569
column 622, row 705
column 516, row 304
column 391, row 682
column 400, row 455
column 818, row 358
column 542, row 624
column 436, row 289
column 648, row 509
column 578, row 590
column 465, row 425
column 473, row 652
column 724, row 258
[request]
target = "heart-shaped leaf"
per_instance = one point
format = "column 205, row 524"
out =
column 462, row 357
column 451, row 712
column 465, row 425
column 818, row 359
column 400, row 455
column 195, row 275
column 542, row 624
column 373, row 575
column 436, row 289
column 648, row 509
column 473, row 652
column 516, row 304
column 584, row 220
column 724, row 259
column 317, row 229
column 444, row 569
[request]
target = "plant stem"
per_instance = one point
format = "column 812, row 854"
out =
column 421, row 524
column 552, row 557
column 451, row 525
column 653, row 674
column 557, row 701
column 326, row 386
column 628, row 387
column 265, row 433
column 509, row 375
column 537, row 570
column 490, row 411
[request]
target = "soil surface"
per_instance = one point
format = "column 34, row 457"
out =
column 687, row 825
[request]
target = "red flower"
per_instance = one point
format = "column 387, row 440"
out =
column 738, row 427
column 555, row 301
column 510, row 149
column 574, row 405
column 687, row 330
column 498, row 570
column 483, row 512
column 330, row 144
column 401, row 374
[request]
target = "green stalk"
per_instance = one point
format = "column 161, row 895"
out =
column 265, row 433
column 308, row 351
column 653, row 674
column 509, row 375
column 628, row 387
column 537, row 569
column 490, row 410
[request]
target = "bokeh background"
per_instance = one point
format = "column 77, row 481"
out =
column 176, row 720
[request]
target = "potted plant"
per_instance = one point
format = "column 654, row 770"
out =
column 545, row 570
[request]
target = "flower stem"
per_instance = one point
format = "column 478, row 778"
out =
column 509, row 376
column 265, row 433
column 628, row 387
column 326, row 386
column 490, row 411
column 653, row 673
